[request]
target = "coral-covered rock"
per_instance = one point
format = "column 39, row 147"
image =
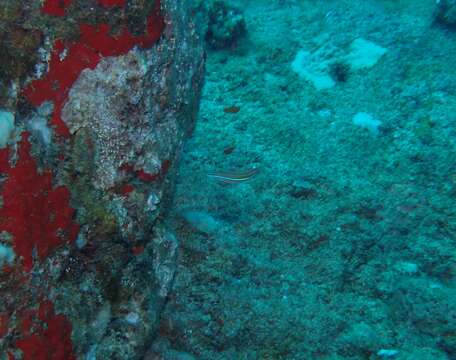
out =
column 101, row 102
column 446, row 13
column 226, row 25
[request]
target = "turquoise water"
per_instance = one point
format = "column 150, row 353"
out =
column 342, row 246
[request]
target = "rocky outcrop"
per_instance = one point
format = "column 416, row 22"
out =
column 96, row 100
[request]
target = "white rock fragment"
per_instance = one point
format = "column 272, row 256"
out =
column 408, row 268
column 435, row 285
column 39, row 125
column 364, row 54
column 324, row 113
column 81, row 241
column 367, row 121
column 6, row 255
column 92, row 353
column 312, row 71
column 132, row 318
column 152, row 201
column 387, row 353
column 6, row 127
column 314, row 66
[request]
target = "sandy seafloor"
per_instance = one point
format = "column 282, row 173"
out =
column 343, row 246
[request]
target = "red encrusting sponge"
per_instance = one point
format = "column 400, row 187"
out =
column 37, row 215
column 55, row 7
column 111, row 3
column 45, row 335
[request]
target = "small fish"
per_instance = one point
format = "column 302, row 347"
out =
column 232, row 109
column 228, row 150
column 233, row 177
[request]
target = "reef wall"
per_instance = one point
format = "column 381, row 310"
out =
column 96, row 99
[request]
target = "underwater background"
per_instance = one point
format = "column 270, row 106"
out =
column 342, row 246
column 228, row 180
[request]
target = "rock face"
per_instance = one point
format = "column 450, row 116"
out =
column 96, row 100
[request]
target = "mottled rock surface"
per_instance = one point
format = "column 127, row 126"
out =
column 102, row 94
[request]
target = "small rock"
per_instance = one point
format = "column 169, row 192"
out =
column 368, row 122
column 6, row 255
column 132, row 318
column 201, row 221
column 361, row 336
column 407, row 267
column 303, row 189
column 6, row 127
column 364, row 54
